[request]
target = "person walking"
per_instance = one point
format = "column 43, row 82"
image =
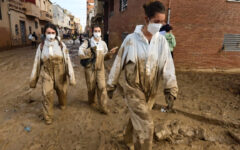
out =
column 145, row 56
column 52, row 58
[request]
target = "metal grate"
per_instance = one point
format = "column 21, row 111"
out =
column 123, row 5
column 231, row 42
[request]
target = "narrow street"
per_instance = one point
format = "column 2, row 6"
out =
column 207, row 112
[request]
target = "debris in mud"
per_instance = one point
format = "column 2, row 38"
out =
column 163, row 110
column 176, row 132
column 31, row 101
column 27, row 128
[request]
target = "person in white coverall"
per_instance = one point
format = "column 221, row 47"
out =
column 146, row 58
column 52, row 57
column 95, row 51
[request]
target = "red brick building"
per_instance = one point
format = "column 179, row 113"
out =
column 199, row 27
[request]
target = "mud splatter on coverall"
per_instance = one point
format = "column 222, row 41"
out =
column 95, row 73
column 144, row 65
column 56, row 66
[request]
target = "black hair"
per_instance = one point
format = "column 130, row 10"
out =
column 95, row 26
column 163, row 28
column 52, row 26
column 152, row 8
column 168, row 28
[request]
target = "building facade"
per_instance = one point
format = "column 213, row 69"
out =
column 207, row 32
column 19, row 18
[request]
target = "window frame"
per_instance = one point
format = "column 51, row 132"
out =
column 238, row 1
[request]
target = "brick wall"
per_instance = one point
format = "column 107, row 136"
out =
column 199, row 27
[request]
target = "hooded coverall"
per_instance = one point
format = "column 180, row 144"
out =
column 95, row 72
column 144, row 65
column 56, row 66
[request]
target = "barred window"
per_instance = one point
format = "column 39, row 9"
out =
column 30, row 29
column 16, row 29
column 123, row 5
column 36, row 24
column 231, row 42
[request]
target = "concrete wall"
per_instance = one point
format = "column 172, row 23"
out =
column 15, row 18
column 5, row 38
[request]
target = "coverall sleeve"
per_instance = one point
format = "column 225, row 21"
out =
column 36, row 69
column 105, row 48
column 173, row 41
column 69, row 66
column 115, row 70
column 82, row 48
column 169, row 76
column 107, row 54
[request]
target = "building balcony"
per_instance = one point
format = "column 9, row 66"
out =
column 32, row 9
column 46, row 16
column 16, row 5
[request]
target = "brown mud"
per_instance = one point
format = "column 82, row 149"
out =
column 207, row 112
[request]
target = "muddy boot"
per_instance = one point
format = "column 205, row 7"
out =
column 48, row 121
column 62, row 107
column 130, row 146
column 170, row 102
column 104, row 110
column 128, row 136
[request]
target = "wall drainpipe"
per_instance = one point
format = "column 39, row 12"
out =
column 169, row 12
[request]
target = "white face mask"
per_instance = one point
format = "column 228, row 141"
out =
column 50, row 37
column 153, row 28
column 97, row 35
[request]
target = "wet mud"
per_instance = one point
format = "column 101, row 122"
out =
column 207, row 112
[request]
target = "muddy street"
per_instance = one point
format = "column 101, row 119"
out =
column 207, row 112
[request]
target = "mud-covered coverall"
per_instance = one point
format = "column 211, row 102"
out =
column 56, row 66
column 95, row 72
column 144, row 64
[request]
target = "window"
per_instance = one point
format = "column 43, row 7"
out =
column 231, row 42
column 16, row 29
column 123, row 5
column 30, row 29
column 36, row 24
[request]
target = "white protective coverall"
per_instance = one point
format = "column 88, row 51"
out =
column 144, row 64
column 95, row 73
column 54, row 61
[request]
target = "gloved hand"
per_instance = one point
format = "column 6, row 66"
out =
column 110, row 94
column 169, row 100
column 110, row 91
column 72, row 81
